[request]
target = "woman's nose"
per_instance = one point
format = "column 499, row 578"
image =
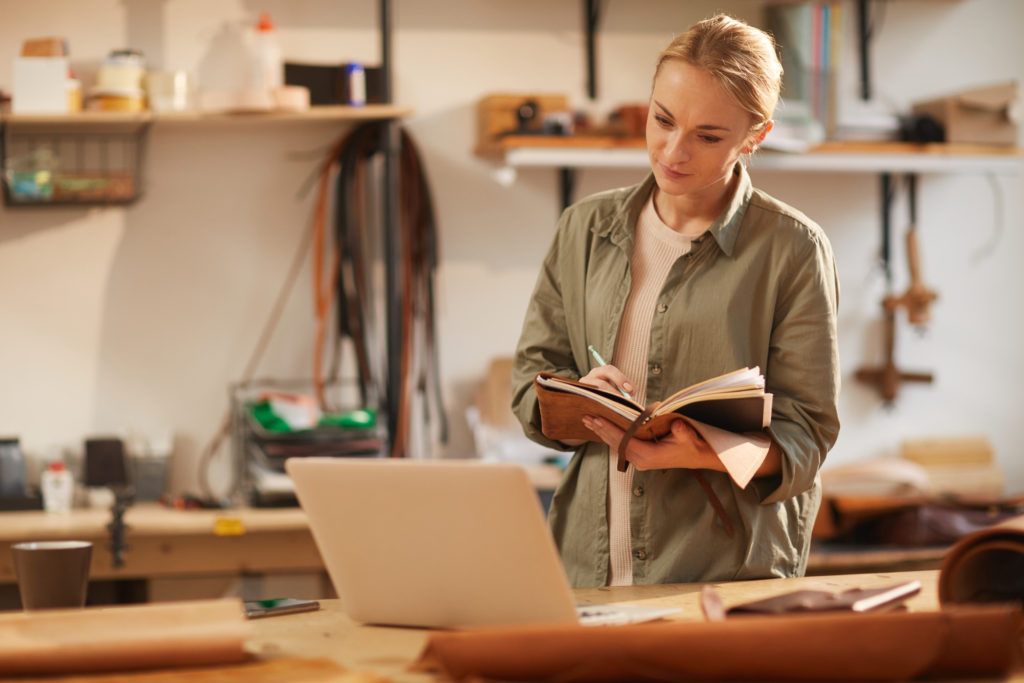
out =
column 676, row 148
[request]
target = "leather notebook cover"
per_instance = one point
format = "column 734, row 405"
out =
column 562, row 413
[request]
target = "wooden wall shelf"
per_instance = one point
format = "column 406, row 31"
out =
column 96, row 156
column 104, row 118
column 876, row 157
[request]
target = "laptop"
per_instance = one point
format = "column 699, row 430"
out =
column 440, row 543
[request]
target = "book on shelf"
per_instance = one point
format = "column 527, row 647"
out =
column 807, row 35
column 736, row 402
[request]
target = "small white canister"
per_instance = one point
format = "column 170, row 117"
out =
column 58, row 488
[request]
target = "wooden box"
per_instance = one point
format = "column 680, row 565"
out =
column 498, row 114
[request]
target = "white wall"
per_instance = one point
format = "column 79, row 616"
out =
column 139, row 318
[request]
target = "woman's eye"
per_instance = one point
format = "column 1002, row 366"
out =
column 663, row 121
column 711, row 139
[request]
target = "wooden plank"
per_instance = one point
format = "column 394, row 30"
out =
column 569, row 142
column 317, row 113
column 151, row 556
column 951, row 450
column 144, row 518
column 933, row 149
column 84, row 118
column 851, row 148
column 87, row 119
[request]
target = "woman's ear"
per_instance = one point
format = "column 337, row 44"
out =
column 757, row 138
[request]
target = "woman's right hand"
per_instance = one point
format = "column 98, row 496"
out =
column 608, row 377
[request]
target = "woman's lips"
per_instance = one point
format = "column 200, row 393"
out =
column 675, row 175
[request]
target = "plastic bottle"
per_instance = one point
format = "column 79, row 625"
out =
column 355, row 75
column 268, row 65
column 58, row 488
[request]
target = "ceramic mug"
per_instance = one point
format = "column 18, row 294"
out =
column 52, row 573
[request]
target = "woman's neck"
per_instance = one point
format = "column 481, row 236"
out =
column 694, row 213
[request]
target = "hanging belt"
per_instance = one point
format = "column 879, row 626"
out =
column 349, row 279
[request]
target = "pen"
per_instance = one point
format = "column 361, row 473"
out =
column 600, row 361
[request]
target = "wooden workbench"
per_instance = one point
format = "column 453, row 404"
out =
column 165, row 542
column 381, row 651
column 168, row 543
column 326, row 645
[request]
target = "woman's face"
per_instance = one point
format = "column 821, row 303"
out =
column 695, row 131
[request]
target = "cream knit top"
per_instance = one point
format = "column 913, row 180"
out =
column 656, row 248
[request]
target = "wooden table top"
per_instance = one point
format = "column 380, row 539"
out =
column 387, row 651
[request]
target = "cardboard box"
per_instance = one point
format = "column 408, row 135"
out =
column 983, row 116
column 45, row 47
column 494, row 398
column 40, row 85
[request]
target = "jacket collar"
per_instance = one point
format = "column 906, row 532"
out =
column 618, row 226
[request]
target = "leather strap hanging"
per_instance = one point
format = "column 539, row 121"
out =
column 715, row 501
column 642, row 419
column 421, row 237
column 350, row 287
column 323, row 290
column 352, row 284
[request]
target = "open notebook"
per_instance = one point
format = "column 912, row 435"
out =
column 440, row 543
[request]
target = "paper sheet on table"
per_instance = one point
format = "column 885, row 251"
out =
column 152, row 636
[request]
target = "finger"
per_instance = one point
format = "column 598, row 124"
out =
column 598, row 377
column 608, row 376
column 605, row 430
column 618, row 378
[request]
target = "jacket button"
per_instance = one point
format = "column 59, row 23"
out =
column 640, row 554
column 638, row 491
column 655, row 369
column 662, row 308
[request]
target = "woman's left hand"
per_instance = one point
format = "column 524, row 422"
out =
column 681, row 447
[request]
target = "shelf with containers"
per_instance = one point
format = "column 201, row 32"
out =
column 14, row 128
column 81, row 160
column 97, row 158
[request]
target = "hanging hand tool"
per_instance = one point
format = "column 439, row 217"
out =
column 888, row 377
column 917, row 299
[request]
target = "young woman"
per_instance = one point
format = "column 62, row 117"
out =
column 690, row 274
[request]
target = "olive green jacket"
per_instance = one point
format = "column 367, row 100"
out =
column 759, row 288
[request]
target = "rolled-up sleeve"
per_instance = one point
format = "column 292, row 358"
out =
column 803, row 368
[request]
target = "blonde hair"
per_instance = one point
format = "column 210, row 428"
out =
column 741, row 58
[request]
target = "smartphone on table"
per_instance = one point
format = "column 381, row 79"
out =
column 276, row 606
